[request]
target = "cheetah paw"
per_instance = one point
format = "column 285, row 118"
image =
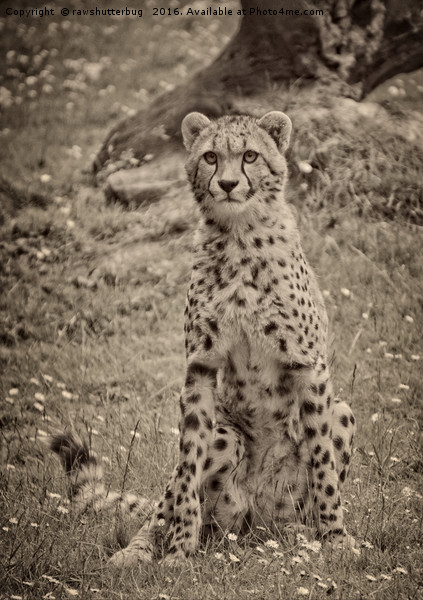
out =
column 130, row 557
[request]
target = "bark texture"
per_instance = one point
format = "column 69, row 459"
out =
column 347, row 51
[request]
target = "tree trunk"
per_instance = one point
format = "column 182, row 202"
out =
column 347, row 50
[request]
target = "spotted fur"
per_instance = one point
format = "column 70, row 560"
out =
column 263, row 440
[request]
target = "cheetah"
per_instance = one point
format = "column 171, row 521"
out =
column 263, row 441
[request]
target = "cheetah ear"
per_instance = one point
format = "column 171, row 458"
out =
column 191, row 126
column 278, row 126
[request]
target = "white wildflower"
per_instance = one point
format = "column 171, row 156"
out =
column 50, row 579
column 304, row 166
column 75, row 151
column 53, row 495
column 314, row 546
column 93, row 70
column 302, row 591
column 6, row 98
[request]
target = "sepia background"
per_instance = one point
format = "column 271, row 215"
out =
column 96, row 226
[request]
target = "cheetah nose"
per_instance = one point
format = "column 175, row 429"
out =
column 227, row 185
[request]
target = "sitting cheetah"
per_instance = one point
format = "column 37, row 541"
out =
column 262, row 439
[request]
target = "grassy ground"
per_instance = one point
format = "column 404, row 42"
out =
column 91, row 328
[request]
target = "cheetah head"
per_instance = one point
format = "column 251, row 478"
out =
column 236, row 164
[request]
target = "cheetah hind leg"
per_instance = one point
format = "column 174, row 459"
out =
column 146, row 545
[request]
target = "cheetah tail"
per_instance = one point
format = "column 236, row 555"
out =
column 85, row 476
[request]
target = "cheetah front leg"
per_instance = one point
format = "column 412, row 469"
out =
column 178, row 512
column 197, row 407
column 327, row 475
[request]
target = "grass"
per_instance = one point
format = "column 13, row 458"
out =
column 91, row 329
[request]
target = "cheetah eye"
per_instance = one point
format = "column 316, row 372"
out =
column 250, row 156
column 210, row 157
